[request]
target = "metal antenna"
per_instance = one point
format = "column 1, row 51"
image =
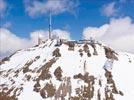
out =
column 39, row 39
column 50, row 23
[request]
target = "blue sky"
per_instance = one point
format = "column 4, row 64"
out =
column 109, row 21
column 87, row 13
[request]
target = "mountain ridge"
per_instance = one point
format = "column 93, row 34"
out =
column 61, row 69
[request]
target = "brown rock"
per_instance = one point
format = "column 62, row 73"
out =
column 56, row 52
column 58, row 73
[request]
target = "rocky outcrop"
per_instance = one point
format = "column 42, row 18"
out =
column 111, row 88
column 61, row 74
column 58, row 73
column 85, row 92
column 110, row 54
column 86, row 50
column 71, row 45
column 45, row 70
column 56, row 52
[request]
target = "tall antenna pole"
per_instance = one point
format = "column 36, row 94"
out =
column 50, row 23
column 39, row 39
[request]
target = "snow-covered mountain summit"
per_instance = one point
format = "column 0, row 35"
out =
column 67, row 70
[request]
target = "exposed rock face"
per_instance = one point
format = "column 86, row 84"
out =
column 64, row 89
column 70, row 71
column 94, row 47
column 85, row 92
column 6, row 59
column 110, row 54
column 86, row 49
column 48, row 90
column 71, row 45
column 45, row 70
column 58, row 73
column 4, row 96
column 111, row 88
column 56, row 52
column 37, row 87
column 26, row 66
column 81, row 52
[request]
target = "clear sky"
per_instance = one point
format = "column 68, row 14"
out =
column 78, row 17
column 86, row 13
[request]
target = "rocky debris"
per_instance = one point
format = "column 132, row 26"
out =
column 94, row 47
column 13, row 81
column 6, row 73
column 28, row 77
column 37, row 87
column 45, row 70
column 4, row 60
column 121, row 93
column 16, row 73
column 100, row 83
column 81, row 52
column 36, row 45
column 85, row 66
column 26, row 66
column 56, row 52
column 7, row 58
column 17, row 91
column 71, row 45
column 44, row 60
column 48, row 90
column 58, row 73
column 88, row 53
column 98, row 95
column 36, row 58
column 86, row 77
column 85, row 92
column 129, row 59
column 44, row 46
column 10, row 93
column 108, row 94
column 95, row 52
column 4, row 86
column 110, row 54
column 86, row 49
column 111, row 88
column 5, row 96
column 64, row 89
column 1, row 72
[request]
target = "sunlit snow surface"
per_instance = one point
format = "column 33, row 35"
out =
column 71, row 64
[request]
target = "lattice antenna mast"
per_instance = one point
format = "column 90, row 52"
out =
column 39, row 39
column 50, row 24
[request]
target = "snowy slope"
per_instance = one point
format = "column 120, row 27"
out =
column 71, row 70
